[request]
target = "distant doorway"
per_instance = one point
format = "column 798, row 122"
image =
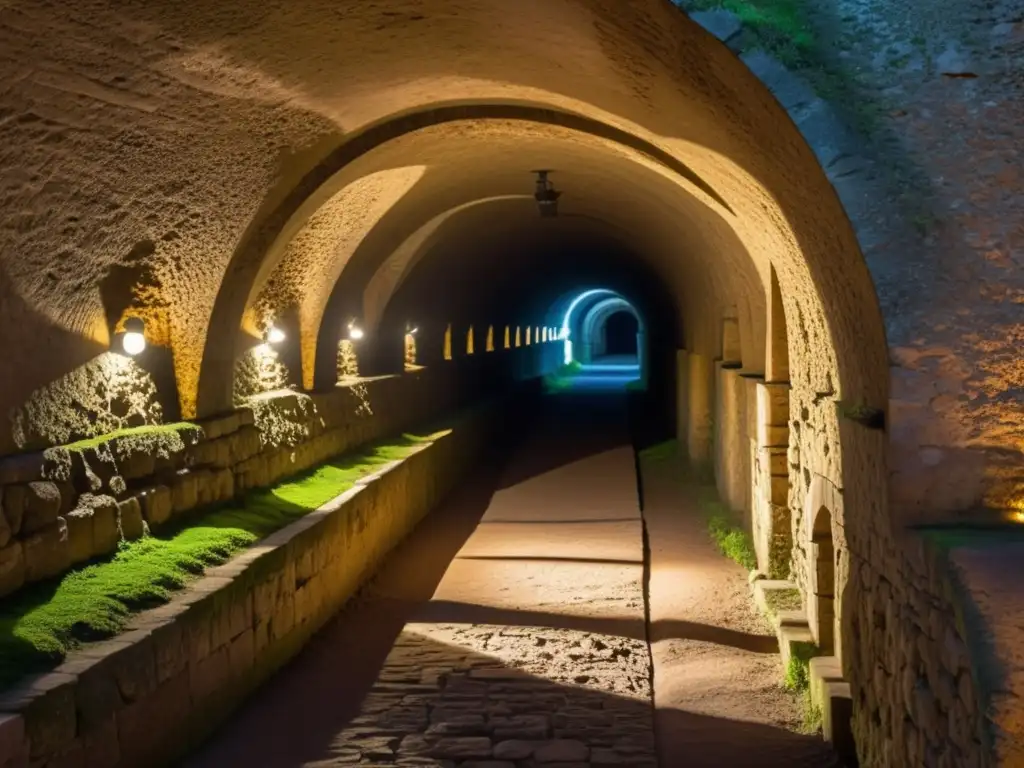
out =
column 620, row 335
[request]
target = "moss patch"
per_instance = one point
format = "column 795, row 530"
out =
column 42, row 623
column 560, row 379
column 783, row 28
column 661, row 452
column 146, row 438
column 733, row 541
column 782, row 600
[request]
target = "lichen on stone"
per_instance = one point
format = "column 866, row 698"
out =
column 109, row 393
column 257, row 371
column 283, row 418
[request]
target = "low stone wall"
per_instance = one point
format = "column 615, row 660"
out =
column 66, row 505
column 911, row 666
column 157, row 691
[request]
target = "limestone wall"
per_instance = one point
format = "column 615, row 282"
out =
column 68, row 504
column 889, row 607
column 155, row 692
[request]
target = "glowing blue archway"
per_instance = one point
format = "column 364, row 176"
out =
column 565, row 331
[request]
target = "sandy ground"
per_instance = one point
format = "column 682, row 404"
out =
column 510, row 628
column 717, row 671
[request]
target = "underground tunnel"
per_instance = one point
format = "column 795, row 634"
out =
column 458, row 386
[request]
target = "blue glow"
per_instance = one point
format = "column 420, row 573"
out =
column 567, row 357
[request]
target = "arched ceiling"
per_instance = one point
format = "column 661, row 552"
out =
column 239, row 157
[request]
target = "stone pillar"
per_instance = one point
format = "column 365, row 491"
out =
column 682, row 398
column 773, row 533
column 730, row 454
column 700, row 414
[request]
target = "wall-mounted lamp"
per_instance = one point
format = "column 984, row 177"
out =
column 355, row 332
column 275, row 335
column 134, row 340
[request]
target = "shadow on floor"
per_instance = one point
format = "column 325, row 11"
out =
column 447, row 612
column 321, row 689
column 576, row 426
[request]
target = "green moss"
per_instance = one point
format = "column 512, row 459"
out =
column 733, row 541
column 660, row 452
column 143, row 436
column 812, row 715
column 798, row 669
column 782, row 600
column 783, row 29
column 560, row 379
column 42, row 623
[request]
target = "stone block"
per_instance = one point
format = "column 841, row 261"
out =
column 141, row 743
column 13, row 741
column 130, row 522
column 206, row 487
column 47, row 552
column 21, row 468
column 157, row 504
column 245, row 443
column 100, row 745
column 137, row 464
column 12, row 568
column 778, row 493
column 106, row 533
column 82, row 475
column 769, row 436
column 184, row 492
column 47, row 705
column 41, row 503
column 80, row 535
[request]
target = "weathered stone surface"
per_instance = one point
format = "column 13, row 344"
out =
column 12, row 568
column 47, row 552
column 513, row 749
column 184, row 492
column 561, row 751
column 129, row 515
column 157, row 504
column 41, row 503
column 722, row 24
column 457, row 748
column 80, row 535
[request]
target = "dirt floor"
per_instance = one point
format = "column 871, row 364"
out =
column 509, row 630
column 717, row 671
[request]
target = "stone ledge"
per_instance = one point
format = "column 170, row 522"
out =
column 830, row 693
column 148, row 696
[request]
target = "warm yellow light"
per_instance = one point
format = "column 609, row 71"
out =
column 356, row 333
column 133, row 343
column 275, row 335
column 134, row 340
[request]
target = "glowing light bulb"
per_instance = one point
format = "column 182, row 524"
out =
column 413, row 331
column 355, row 333
column 134, row 340
column 275, row 335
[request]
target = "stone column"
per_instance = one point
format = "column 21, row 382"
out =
column 682, row 398
column 773, row 533
column 700, row 413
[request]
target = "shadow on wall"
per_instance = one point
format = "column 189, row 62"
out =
column 76, row 387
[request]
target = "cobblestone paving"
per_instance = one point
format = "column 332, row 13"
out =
column 478, row 696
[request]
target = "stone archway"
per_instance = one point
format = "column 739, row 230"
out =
column 821, row 602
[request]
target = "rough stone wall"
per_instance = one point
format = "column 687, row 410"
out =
column 108, row 393
column 68, row 504
column 155, row 692
column 914, row 682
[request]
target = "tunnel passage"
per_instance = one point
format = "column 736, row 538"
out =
column 284, row 213
column 617, row 336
